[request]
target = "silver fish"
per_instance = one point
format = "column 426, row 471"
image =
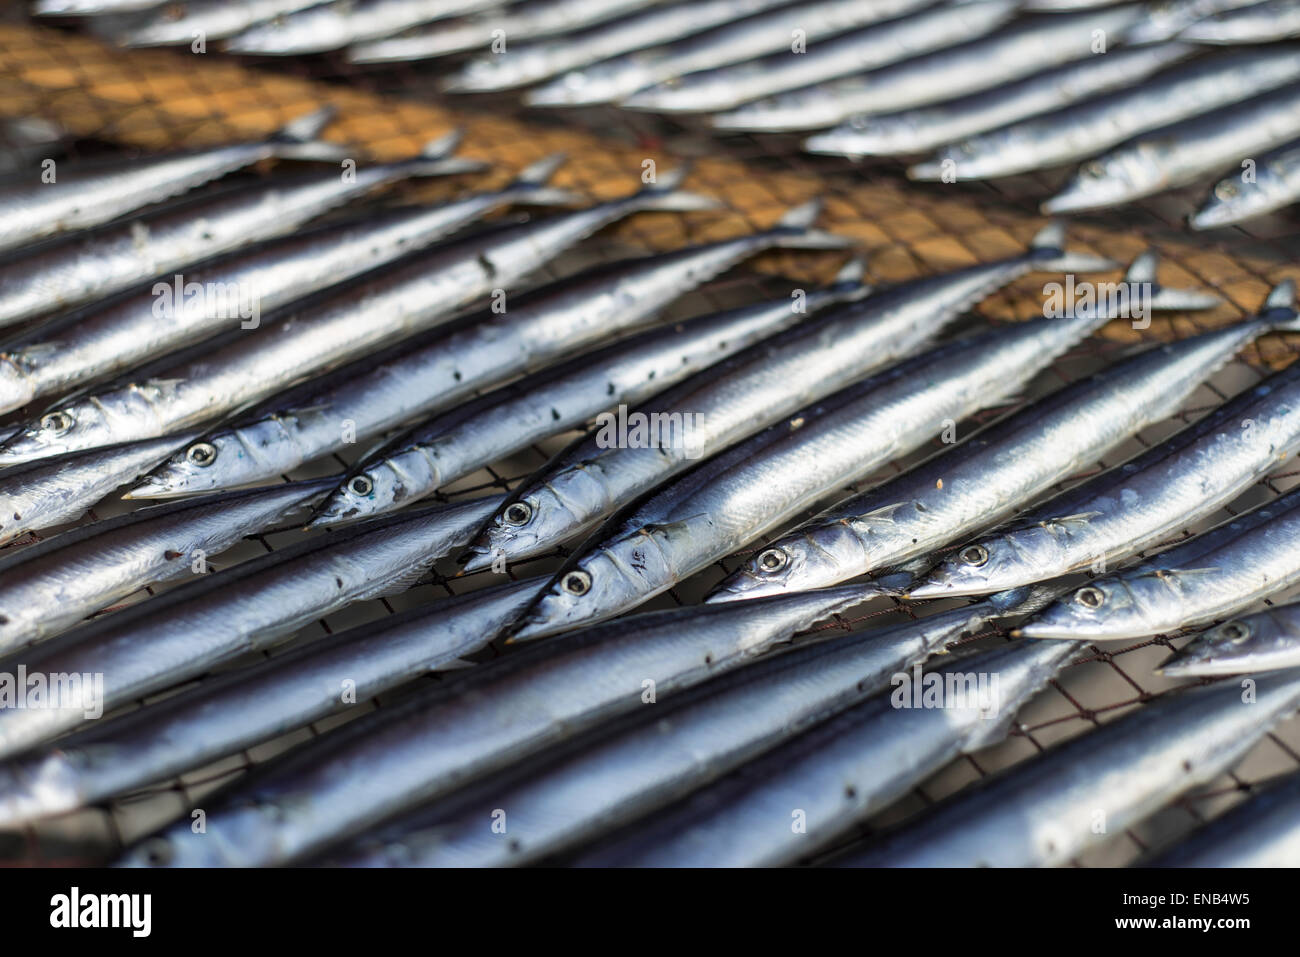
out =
column 1088, row 128
column 493, row 716
column 1165, row 20
column 27, row 138
column 930, row 127
column 1274, row 184
column 413, row 295
column 84, row 8
column 423, row 459
column 987, row 477
column 1138, row 505
column 841, row 772
column 44, row 494
column 92, row 343
column 330, row 26
column 1257, row 23
column 106, row 260
column 1262, row 831
column 698, row 74
column 383, row 391
column 588, row 482
column 764, row 482
column 177, row 24
column 1183, row 153
column 1163, row 595
column 1043, row 811
column 533, row 62
column 1018, row 51
column 1267, row 641
column 98, row 193
column 250, row 705
column 162, row 642
column 46, row 589
column 536, row 18
column 643, row 763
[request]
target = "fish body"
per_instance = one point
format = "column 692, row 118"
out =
column 45, row 589
column 930, row 127
column 181, row 24
column 331, row 26
column 250, row 705
column 754, row 389
column 487, row 718
column 1261, row 831
column 1166, row 21
column 1088, row 128
column 382, row 392
column 189, row 630
column 411, row 296
column 1274, row 183
column 90, row 195
column 1043, row 812
column 726, row 87
column 1184, row 152
column 1011, row 54
column 1138, row 505
column 1257, row 23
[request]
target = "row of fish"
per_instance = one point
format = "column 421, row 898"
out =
column 792, row 399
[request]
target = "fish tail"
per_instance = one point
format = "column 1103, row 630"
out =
column 848, row 284
column 300, row 138
column 666, row 194
column 1279, row 308
column 531, row 186
column 436, row 159
column 794, row 230
column 1048, row 247
column 1142, row 271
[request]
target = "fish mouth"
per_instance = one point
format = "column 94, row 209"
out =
column 151, row 487
column 475, row 558
column 1212, row 217
column 934, row 588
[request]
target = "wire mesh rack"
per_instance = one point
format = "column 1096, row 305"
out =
column 106, row 98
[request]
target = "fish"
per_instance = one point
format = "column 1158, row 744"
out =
column 724, row 87
column 27, row 138
column 452, row 445
column 249, row 705
column 930, row 127
column 94, row 264
column 1165, row 21
column 58, row 490
column 533, row 62
column 46, row 589
column 409, row 296
column 763, row 483
column 1274, row 183
column 1086, row 129
column 75, row 348
column 1266, row 641
column 585, row 483
column 1257, row 23
column 1045, row 811
column 1180, row 154
column 89, row 8
column 380, row 392
column 419, row 751
column 180, row 24
column 1024, row 48
column 1261, row 831
column 983, row 480
column 833, row 777
column 331, row 26
column 1138, row 505
column 96, row 193
column 537, row 18
column 1163, row 594
column 191, row 629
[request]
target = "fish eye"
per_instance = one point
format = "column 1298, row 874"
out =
column 57, row 422
column 157, row 852
column 1093, row 169
column 518, row 513
column 201, row 454
column 773, row 560
column 1226, row 190
column 1235, row 630
column 967, row 147
column 576, row 583
column 974, row 555
column 1090, row 597
column 361, row 485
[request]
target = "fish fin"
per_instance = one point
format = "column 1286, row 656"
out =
column 882, row 515
column 395, row 586
column 436, row 159
column 299, row 138
column 848, row 285
column 530, row 186
column 1078, row 518
column 1049, row 244
column 1143, row 271
column 666, row 194
column 797, row 222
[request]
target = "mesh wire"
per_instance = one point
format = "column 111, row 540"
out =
column 110, row 99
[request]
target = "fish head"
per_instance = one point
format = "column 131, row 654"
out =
column 214, row 462
column 992, row 565
column 1233, row 199
column 1254, row 643
column 69, row 428
column 1113, row 608
column 795, row 563
column 1110, row 180
column 374, row 490
column 17, row 387
column 536, row 519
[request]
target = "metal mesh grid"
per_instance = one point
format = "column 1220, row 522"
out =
column 159, row 99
